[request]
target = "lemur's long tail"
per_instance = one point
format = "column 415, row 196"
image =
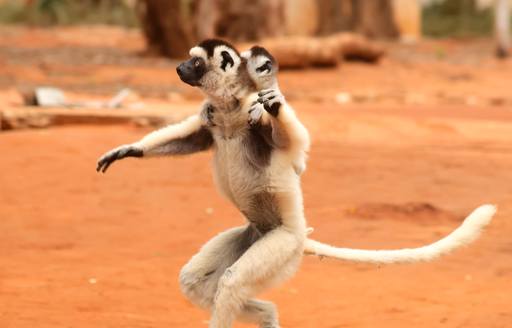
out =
column 466, row 233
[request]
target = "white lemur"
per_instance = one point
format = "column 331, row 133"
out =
column 256, row 168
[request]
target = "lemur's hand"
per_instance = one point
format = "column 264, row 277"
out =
column 255, row 113
column 117, row 153
column 207, row 115
column 272, row 100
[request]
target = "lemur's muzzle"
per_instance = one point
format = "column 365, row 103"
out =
column 188, row 73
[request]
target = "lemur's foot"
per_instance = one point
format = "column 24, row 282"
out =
column 207, row 114
column 116, row 154
column 272, row 100
column 255, row 113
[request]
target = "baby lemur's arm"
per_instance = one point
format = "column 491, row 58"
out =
column 274, row 115
column 189, row 136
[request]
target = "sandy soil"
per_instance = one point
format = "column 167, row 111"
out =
column 80, row 249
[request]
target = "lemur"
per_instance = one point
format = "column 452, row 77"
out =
column 252, row 169
column 255, row 168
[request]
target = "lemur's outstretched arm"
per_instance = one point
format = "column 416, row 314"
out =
column 189, row 136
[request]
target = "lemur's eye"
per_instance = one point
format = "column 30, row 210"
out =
column 197, row 63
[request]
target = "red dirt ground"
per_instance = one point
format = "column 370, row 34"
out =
column 80, row 249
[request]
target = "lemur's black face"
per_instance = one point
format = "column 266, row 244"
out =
column 192, row 71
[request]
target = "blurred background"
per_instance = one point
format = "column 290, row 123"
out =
column 409, row 106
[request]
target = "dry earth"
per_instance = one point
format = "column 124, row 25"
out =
column 424, row 138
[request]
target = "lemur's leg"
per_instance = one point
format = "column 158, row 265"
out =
column 200, row 276
column 260, row 312
column 187, row 137
column 272, row 259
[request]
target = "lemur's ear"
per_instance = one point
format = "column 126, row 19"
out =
column 226, row 59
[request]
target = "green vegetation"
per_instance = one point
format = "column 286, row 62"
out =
column 67, row 12
column 457, row 18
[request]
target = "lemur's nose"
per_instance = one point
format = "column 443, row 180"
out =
column 179, row 70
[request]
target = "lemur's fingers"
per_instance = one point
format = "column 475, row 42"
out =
column 119, row 153
column 266, row 98
column 272, row 106
column 271, row 99
column 270, row 93
column 107, row 159
column 255, row 113
column 105, row 167
column 264, row 92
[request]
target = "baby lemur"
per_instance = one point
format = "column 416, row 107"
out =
column 258, row 155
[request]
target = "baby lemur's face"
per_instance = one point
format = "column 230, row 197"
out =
column 216, row 68
column 262, row 67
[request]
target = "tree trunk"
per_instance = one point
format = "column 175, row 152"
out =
column 374, row 18
column 336, row 16
column 208, row 13
column 239, row 20
column 171, row 27
column 165, row 28
column 502, row 23
column 249, row 20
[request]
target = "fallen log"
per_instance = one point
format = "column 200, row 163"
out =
column 300, row 52
column 34, row 117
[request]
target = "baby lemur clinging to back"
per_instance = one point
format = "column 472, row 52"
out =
column 258, row 158
column 264, row 106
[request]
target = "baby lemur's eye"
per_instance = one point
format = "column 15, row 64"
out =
column 197, row 62
column 265, row 67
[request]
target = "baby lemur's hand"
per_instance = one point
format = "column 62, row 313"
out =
column 207, row 115
column 255, row 113
column 272, row 100
column 116, row 154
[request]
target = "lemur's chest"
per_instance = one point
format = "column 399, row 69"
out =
column 241, row 159
column 237, row 164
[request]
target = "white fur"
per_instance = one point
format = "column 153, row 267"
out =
column 255, row 62
column 221, row 86
column 266, row 79
column 299, row 145
column 299, row 137
column 463, row 235
column 277, row 255
column 174, row 131
column 246, row 54
column 198, row 52
column 217, row 59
